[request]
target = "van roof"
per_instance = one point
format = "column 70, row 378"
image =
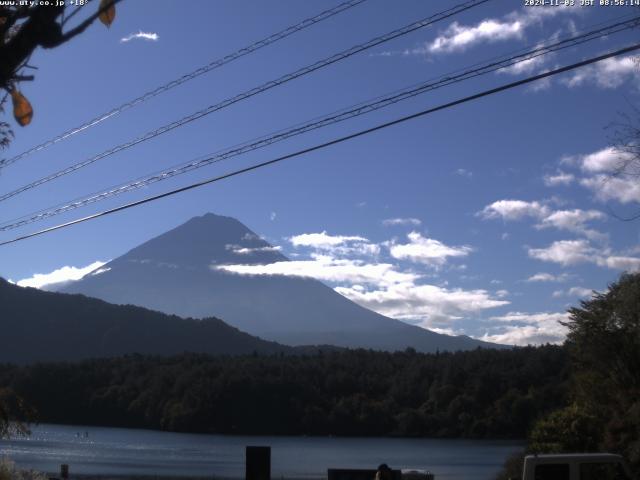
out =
column 575, row 456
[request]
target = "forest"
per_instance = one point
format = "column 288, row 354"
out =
column 480, row 393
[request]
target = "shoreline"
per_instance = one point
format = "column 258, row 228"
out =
column 87, row 476
column 83, row 427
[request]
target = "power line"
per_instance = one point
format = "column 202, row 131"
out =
column 336, row 117
column 254, row 91
column 336, row 141
column 187, row 77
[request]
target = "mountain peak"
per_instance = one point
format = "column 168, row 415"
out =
column 202, row 241
column 210, row 221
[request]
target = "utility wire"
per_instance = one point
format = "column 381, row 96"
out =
column 336, row 117
column 336, row 141
column 254, row 91
column 185, row 78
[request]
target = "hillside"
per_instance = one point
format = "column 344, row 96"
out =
column 41, row 326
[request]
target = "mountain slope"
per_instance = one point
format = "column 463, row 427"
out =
column 44, row 326
column 173, row 273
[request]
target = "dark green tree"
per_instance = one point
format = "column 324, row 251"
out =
column 604, row 346
column 13, row 407
column 604, row 341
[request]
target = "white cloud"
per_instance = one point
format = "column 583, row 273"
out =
column 336, row 244
column 574, row 221
column 389, row 222
column 327, row 268
column 605, row 175
column 525, row 66
column 542, row 84
column 427, row 251
column 272, row 216
column 147, row 36
column 64, row 274
column 605, row 187
column 238, row 250
column 514, row 210
column 573, row 252
column 574, row 292
column 323, row 240
column 458, row 37
column 384, row 53
column 100, row 270
column 564, row 252
column 580, row 292
column 570, row 220
column 528, row 329
column 428, row 304
column 530, row 318
column 608, row 74
column 560, row 178
column 606, row 160
column 547, row 277
column 448, row 331
column 615, row 262
column 463, row 172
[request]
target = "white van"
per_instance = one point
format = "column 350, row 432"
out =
column 575, row 466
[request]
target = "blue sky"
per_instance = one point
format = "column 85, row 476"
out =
column 488, row 219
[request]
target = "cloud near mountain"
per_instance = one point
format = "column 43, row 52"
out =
column 351, row 264
column 59, row 276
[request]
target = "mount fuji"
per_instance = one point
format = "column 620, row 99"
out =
column 175, row 273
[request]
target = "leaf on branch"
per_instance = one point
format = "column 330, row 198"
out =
column 22, row 110
column 107, row 16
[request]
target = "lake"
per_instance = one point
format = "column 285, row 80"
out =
column 120, row 451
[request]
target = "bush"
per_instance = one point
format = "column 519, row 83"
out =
column 9, row 471
column 513, row 467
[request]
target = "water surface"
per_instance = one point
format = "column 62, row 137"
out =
column 119, row 451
